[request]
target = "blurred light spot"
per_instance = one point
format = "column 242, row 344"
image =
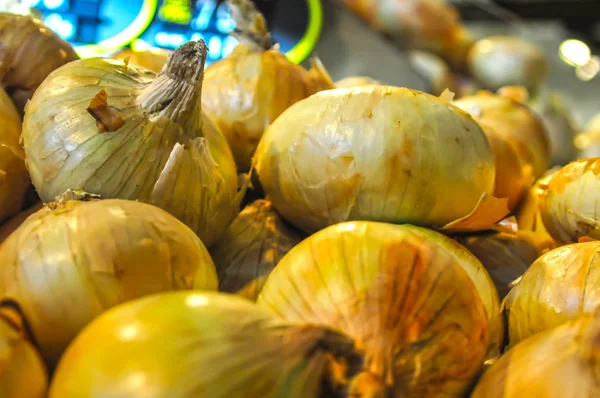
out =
column 140, row 45
column 60, row 26
column 214, row 47
column 128, row 333
column 229, row 45
column 590, row 70
column 136, row 381
column 575, row 52
column 196, row 300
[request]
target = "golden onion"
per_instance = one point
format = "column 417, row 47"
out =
column 505, row 256
column 559, row 363
column 119, row 131
column 245, row 92
column 152, row 59
column 558, row 287
column 72, row 260
column 251, row 247
column 499, row 61
column 568, row 203
column 378, row 153
column 30, row 51
column 353, row 81
column 14, row 179
column 22, row 370
column 514, row 120
column 192, row 344
column 435, row 71
column 403, row 293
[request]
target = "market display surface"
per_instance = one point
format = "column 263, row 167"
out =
column 252, row 228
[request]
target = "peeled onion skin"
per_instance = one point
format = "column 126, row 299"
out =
column 559, row 286
column 72, row 260
column 196, row 344
column 14, row 179
column 30, row 51
column 403, row 297
column 166, row 153
column 568, row 204
column 251, row 247
column 559, row 363
column 376, row 153
column 22, row 370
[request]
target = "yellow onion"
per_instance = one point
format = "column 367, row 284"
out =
column 403, row 293
column 569, row 204
column 181, row 345
column 558, row 287
column 435, row 71
column 119, row 131
column 378, row 153
column 588, row 142
column 15, row 222
column 514, row 120
column 72, row 260
column 152, row 59
column 30, row 51
column 499, row 61
column 505, row 256
column 14, row 179
column 353, row 81
column 559, row 363
column 245, row 92
column 251, row 247
column 22, row 370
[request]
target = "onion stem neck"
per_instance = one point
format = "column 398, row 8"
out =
column 250, row 24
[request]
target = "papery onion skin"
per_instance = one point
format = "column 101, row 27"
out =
column 251, row 247
column 377, row 153
column 168, row 153
column 22, row 370
column 65, row 266
column 353, row 81
column 30, row 51
column 245, row 92
column 517, row 122
column 14, row 179
column 560, row 286
column 183, row 345
column 402, row 296
column 569, row 205
column 559, row 363
column 499, row 61
column 153, row 59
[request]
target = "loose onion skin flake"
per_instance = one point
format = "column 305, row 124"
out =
column 415, row 302
column 72, row 260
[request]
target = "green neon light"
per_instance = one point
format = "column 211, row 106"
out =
column 130, row 33
column 308, row 42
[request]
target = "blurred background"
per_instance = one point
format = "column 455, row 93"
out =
column 375, row 38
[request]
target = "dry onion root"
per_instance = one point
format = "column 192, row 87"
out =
column 196, row 344
column 569, row 204
column 560, row 286
column 245, row 92
column 30, row 51
column 119, row 131
column 74, row 259
column 415, row 302
column 559, row 363
column 251, row 247
column 379, row 153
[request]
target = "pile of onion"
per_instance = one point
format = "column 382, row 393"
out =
column 119, row 131
column 379, row 153
column 560, row 286
column 422, row 310
column 245, row 92
column 74, row 259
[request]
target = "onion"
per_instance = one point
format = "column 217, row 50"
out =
column 15, row 222
column 152, row 59
column 403, row 293
column 379, row 153
column 118, row 131
column 72, row 260
column 14, row 179
column 435, row 71
column 251, row 247
column 245, row 92
column 558, row 287
column 515, row 121
column 568, row 203
column 30, row 51
column 200, row 345
column 499, row 61
column 353, row 81
column 561, row 362
column 588, row 142
column 22, row 371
